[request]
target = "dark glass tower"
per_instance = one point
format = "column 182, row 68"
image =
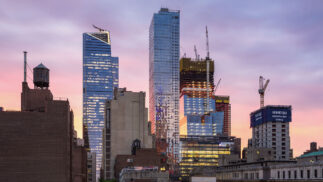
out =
column 100, row 76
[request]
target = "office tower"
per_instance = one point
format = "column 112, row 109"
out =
column 164, row 79
column 223, row 105
column 100, row 77
column 39, row 143
column 270, row 129
column 197, row 105
column 126, row 121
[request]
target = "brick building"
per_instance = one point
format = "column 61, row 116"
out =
column 38, row 142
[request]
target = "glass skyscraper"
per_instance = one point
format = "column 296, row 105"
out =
column 100, row 76
column 164, row 34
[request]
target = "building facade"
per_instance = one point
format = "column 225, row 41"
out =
column 223, row 105
column 197, row 104
column 126, row 120
column 270, row 129
column 100, row 77
column 39, row 143
column 203, row 151
column 164, row 47
column 142, row 158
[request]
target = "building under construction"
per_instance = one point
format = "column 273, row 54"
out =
column 222, row 104
column 201, row 127
column 197, row 105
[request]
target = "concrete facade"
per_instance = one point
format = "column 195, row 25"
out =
column 274, row 135
column 306, row 167
column 126, row 120
column 270, row 129
column 37, row 143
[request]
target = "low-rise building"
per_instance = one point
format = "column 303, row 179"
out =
column 142, row 158
column 143, row 175
column 308, row 166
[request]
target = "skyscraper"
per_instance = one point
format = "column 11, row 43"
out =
column 100, row 77
column 164, row 78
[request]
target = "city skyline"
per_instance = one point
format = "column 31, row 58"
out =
column 280, row 41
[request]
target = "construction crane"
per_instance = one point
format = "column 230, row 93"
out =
column 207, row 71
column 196, row 55
column 217, row 85
column 98, row 28
column 262, row 89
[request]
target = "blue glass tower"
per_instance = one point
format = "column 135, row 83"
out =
column 164, row 34
column 100, row 76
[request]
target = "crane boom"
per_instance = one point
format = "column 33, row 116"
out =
column 266, row 84
column 217, row 85
column 98, row 28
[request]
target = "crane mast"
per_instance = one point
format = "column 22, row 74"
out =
column 207, row 72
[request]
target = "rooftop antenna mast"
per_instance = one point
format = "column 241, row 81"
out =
column 207, row 72
column 98, row 28
column 25, row 65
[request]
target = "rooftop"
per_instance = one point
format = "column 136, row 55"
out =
column 41, row 66
column 316, row 153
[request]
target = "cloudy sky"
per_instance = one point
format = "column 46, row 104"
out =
column 281, row 40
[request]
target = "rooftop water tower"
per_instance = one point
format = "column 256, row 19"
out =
column 41, row 76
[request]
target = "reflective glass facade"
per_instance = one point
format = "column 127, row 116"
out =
column 164, row 36
column 100, row 76
column 199, row 151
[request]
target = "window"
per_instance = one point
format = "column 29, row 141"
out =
column 278, row 174
column 289, row 175
column 302, row 174
column 283, row 174
column 295, row 174
column 315, row 173
column 308, row 174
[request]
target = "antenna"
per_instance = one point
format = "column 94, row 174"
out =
column 25, row 65
column 98, row 28
column 207, row 44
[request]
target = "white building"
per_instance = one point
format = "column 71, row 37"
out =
column 270, row 129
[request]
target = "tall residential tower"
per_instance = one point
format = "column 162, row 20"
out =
column 100, row 77
column 164, row 79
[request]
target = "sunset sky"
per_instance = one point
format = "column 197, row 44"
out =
column 280, row 40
